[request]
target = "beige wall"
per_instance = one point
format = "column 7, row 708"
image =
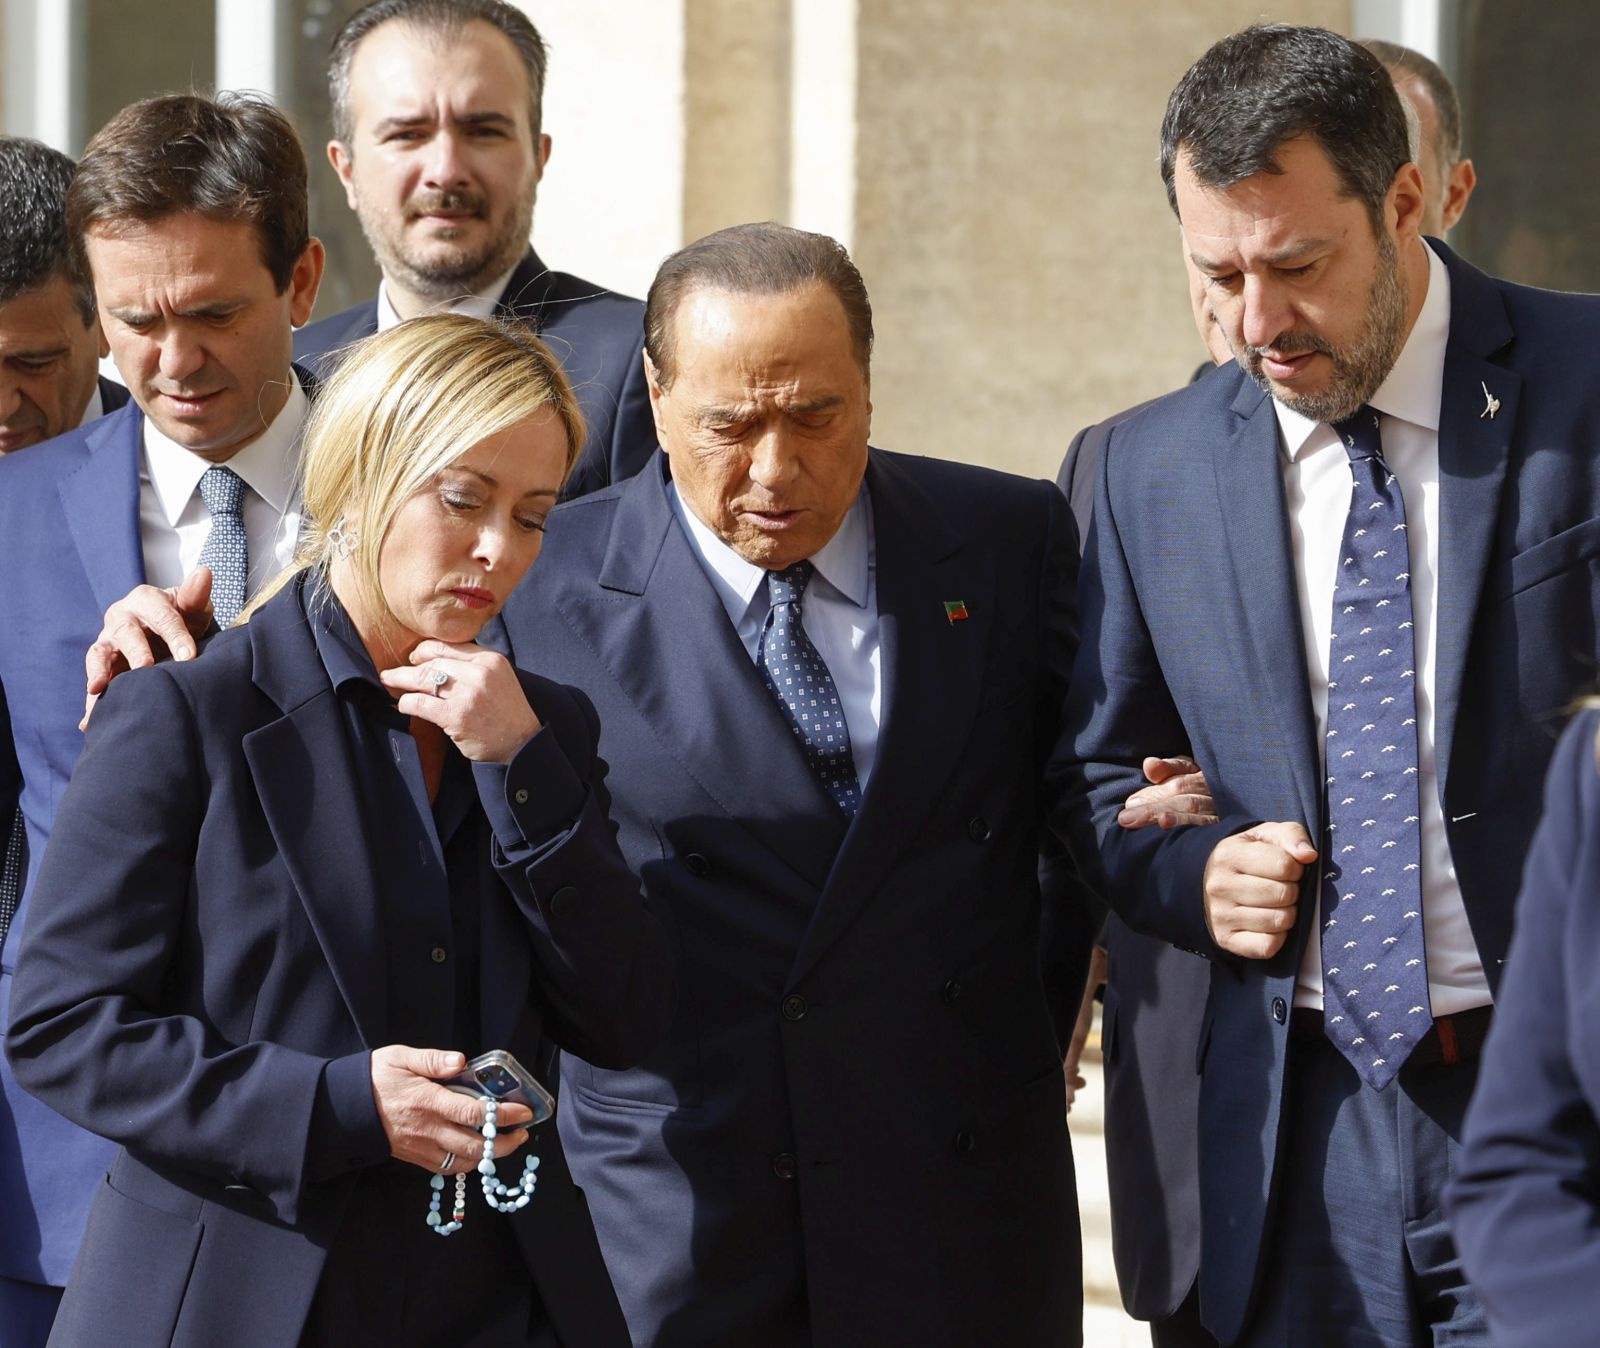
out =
column 1010, row 219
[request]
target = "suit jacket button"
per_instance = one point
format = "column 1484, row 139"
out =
column 438, row 954
column 794, row 1007
column 965, row 1142
column 784, row 1167
column 520, row 795
column 1280, row 1010
column 697, row 865
column 978, row 829
column 950, row 993
column 562, row 900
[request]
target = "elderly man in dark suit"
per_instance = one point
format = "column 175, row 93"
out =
column 830, row 677
column 1397, row 494
column 439, row 145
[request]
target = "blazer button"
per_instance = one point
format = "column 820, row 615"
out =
column 438, row 954
column 965, row 1142
column 1280, row 1010
column 950, row 993
column 784, row 1166
column 697, row 864
column 794, row 1007
column 978, row 829
column 520, row 795
column 562, row 900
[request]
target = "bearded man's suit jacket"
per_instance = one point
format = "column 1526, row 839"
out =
column 1199, row 648
column 854, row 1132
column 597, row 335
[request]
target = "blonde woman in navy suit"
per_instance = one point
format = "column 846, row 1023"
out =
column 298, row 880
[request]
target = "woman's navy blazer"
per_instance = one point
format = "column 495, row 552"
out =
column 206, row 943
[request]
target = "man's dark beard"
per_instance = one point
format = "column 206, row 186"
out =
column 1359, row 369
column 446, row 280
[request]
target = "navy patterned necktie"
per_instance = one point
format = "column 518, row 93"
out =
column 797, row 677
column 11, row 875
column 225, row 551
column 1374, row 966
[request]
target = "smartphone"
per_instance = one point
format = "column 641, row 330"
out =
column 498, row 1075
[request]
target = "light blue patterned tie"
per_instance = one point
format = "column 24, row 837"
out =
column 225, row 551
column 796, row 675
column 1374, row 965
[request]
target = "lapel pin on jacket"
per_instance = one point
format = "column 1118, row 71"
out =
column 955, row 610
column 1491, row 404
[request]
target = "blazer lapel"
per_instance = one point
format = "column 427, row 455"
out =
column 528, row 292
column 101, row 502
column 1474, row 450
column 305, row 777
column 933, row 673
column 1255, row 517
column 661, row 632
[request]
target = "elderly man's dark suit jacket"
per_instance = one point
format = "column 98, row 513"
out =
column 854, row 1132
column 1199, row 648
column 597, row 335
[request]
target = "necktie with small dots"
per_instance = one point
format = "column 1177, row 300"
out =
column 1375, row 972
column 797, row 677
column 225, row 550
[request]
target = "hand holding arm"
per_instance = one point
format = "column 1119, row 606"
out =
column 1178, row 794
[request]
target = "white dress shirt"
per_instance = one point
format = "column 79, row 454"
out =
column 95, row 408
column 174, row 521
column 480, row 304
column 839, row 612
column 1316, row 474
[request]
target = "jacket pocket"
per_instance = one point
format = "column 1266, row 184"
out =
column 1554, row 555
column 132, row 1274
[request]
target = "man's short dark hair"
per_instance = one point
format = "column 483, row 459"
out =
column 1403, row 63
column 1272, row 83
column 755, row 259
column 35, row 247
column 232, row 158
column 445, row 18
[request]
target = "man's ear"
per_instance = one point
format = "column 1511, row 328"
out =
column 1458, row 189
column 1406, row 203
column 304, row 280
column 652, row 379
column 344, row 163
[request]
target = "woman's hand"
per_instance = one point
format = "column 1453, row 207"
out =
column 480, row 703
column 425, row 1122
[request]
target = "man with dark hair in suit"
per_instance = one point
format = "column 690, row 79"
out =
column 1397, row 491
column 829, row 678
column 439, row 143
column 50, row 345
column 190, row 217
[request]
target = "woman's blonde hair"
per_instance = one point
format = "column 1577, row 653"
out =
column 402, row 406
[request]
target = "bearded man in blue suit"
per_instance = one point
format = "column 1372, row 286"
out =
column 1389, row 595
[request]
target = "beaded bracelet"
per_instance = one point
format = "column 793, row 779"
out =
column 496, row 1193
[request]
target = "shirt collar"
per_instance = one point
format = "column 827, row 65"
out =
column 479, row 304
column 95, row 408
column 843, row 561
column 339, row 646
column 1414, row 386
column 267, row 464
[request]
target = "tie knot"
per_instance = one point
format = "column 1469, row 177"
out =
column 1360, row 435
column 222, row 490
column 789, row 585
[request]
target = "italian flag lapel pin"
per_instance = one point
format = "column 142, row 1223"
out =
column 955, row 610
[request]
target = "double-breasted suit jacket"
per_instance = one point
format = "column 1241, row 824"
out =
column 854, row 1131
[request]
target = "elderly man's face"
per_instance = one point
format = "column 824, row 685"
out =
column 766, row 419
column 200, row 333
column 47, row 364
column 443, row 164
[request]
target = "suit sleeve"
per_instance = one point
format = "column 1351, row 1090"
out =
column 91, row 1033
column 1525, row 1204
column 1120, row 711
column 604, row 972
